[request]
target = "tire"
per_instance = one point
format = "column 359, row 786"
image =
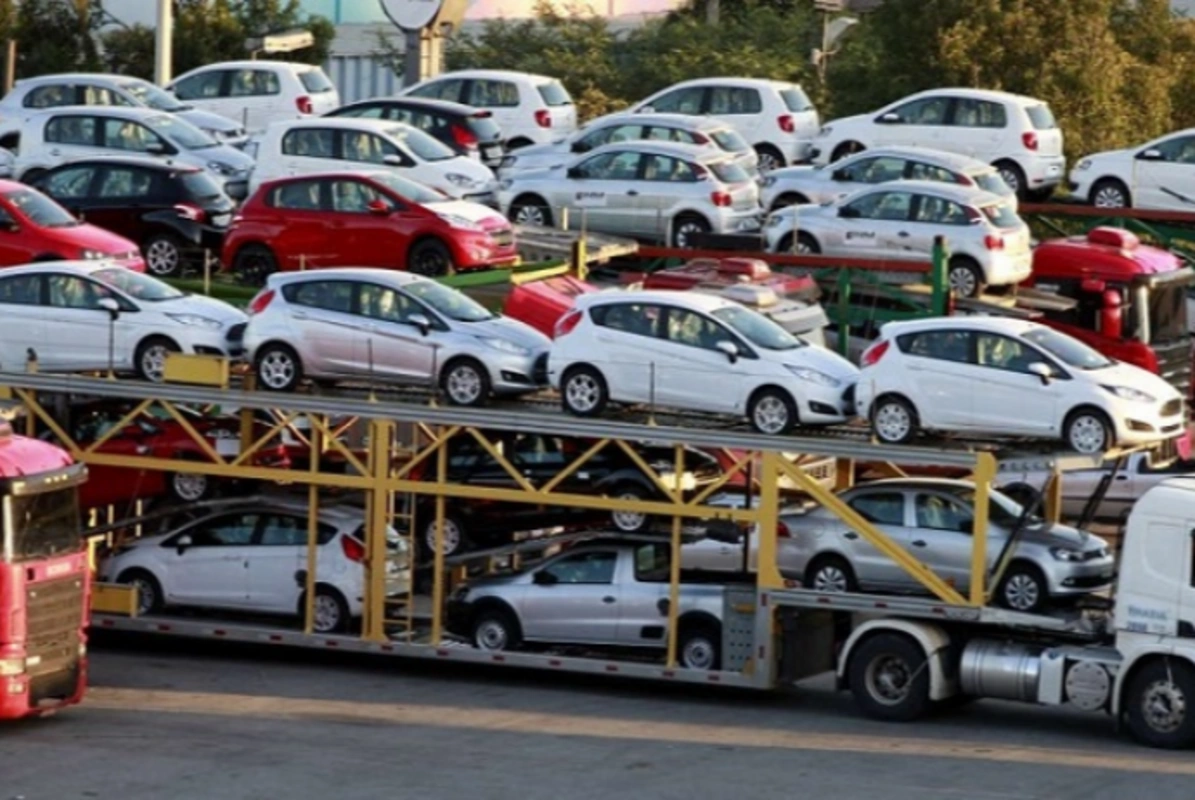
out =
column 1159, row 704
column 253, row 264
column 888, row 677
column 456, row 538
column 150, row 358
column 496, row 630
column 465, row 382
column 1023, row 588
column 1088, row 431
column 331, row 612
column 1110, row 193
column 163, row 255
column 846, row 149
column 1014, row 176
column 150, row 599
column 964, row 276
column 769, row 158
column 807, row 245
column 686, row 227
column 430, row 258
column 894, row 420
column 630, row 521
column 699, row 646
column 830, row 574
column 789, row 199
column 772, row 412
column 583, row 392
column 278, row 367
column 531, row 209
column 189, row 487
column 30, row 175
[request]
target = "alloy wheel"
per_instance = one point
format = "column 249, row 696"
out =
column 162, row 257
column 276, row 369
column 771, row 415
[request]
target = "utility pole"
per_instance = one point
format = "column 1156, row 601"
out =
column 10, row 51
column 713, row 10
column 164, row 43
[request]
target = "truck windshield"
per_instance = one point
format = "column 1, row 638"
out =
column 43, row 525
column 1167, row 313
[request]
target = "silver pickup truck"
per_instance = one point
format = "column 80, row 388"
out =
column 599, row 594
column 1136, row 476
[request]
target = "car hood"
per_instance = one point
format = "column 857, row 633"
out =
column 231, row 157
column 823, row 360
column 92, row 238
column 511, row 330
column 558, row 148
column 1107, row 155
column 207, row 121
column 1121, row 374
column 1048, row 535
column 467, row 167
column 794, row 173
column 203, row 306
column 474, row 212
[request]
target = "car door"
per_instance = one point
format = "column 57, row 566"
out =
column 942, row 376
column 323, row 312
column 70, row 187
column 310, row 151
column 22, row 319
column 643, row 601
column 206, row 90
column 214, row 569
column 886, row 510
column 70, row 137
column 686, row 100
column 1007, row 384
column 574, row 599
column 738, row 106
column 276, row 558
column 501, row 98
column 665, row 184
column 976, row 128
column 868, row 225
column 301, row 241
column 917, row 123
column 942, row 538
column 932, row 216
column 601, row 193
column 1164, row 175
column 396, row 347
column 253, row 97
column 77, row 334
column 121, row 197
column 688, row 362
column 626, row 338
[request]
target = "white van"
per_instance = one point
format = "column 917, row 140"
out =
column 530, row 109
column 256, row 93
column 339, row 144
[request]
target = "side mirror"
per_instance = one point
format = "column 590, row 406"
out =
column 156, row 149
column 421, row 322
column 647, row 110
column 10, row 226
column 1152, row 154
column 891, row 118
column 111, row 306
column 579, row 147
column 545, row 578
column 848, row 212
column 394, row 161
column 840, row 175
column 379, row 207
column 183, row 543
column 575, row 173
column 967, row 526
column 237, row 190
column 730, row 349
column 1042, row 371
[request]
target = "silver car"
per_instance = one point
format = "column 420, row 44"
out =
column 707, row 132
column 377, row 324
column 933, row 519
column 825, row 184
column 649, row 190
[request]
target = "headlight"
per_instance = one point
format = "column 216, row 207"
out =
column 195, row 319
column 505, row 184
column 768, row 180
column 1066, row 554
column 813, row 376
column 460, row 222
column 508, row 162
column 1084, row 164
column 457, row 179
column 220, row 169
column 1129, row 393
column 505, row 346
column 93, row 255
column 775, row 221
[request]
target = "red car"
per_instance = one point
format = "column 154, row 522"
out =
column 35, row 228
column 371, row 219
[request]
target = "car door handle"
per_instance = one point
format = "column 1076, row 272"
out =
column 55, row 152
column 903, row 234
column 299, row 315
column 850, row 535
column 919, row 543
column 1122, row 477
column 664, row 604
column 633, row 192
column 608, row 599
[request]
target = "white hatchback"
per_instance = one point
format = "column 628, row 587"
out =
column 1159, row 174
column 256, row 93
column 988, row 243
column 340, row 144
column 1016, row 134
column 1006, row 377
column 695, row 352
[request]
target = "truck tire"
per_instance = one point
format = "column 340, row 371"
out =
column 889, row 678
column 1160, row 704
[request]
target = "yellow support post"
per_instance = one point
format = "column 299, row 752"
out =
column 312, row 544
column 438, row 556
column 674, row 571
column 380, row 434
column 767, row 572
column 1053, row 497
column 844, row 474
column 985, row 472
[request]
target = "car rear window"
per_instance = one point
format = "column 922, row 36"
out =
column 200, row 185
column 484, row 128
column 1041, row 117
column 728, row 171
column 796, row 99
column 554, row 94
column 315, row 81
column 1001, row 215
column 729, row 140
column 991, row 182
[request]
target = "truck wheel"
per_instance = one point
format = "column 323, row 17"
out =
column 699, row 646
column 889, row 678
column 1161, row 704
column 149, row 590
column 496, row 630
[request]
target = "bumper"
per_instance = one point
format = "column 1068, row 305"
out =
column 825, row 405
column 488, row 197
column 1144, row 425
column 729, row 221
column 514, row 374
column 1003, row 270
column 1071, row 579
column 1045, row 171
column 211, row 342
column 478, row 250
column 798, row 151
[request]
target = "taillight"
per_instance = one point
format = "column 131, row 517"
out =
column 873, row 354
column 303, row 103
column 721, row 199
column 1029, row 139
column 992, row 242
column 261, row 302
column 700, row 138
column 565, row 324
column 190, row 212
column 785, row 121
column 353, row 550
column 963, row 180
column 782, row 531
column 543, row 118
column 464, row 137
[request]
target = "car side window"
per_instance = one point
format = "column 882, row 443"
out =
column 128, row 182
column 680, row 101
column 283, row 530
column 662, row 133
column 694, row 330
column 122, row 134
column 50, row 96
column 299, row 196
column 388, row 305
column 354, row 197
column 595, row 566
column 492, row 94
column 664, row 168
column 71, row 291
column 365, row 147
column 735, row 100
column 1180, row 149
column 102, row 96
column 972, row 113
column 370, row 112
column 21, row 290
column 441, row 90
column 70, row 183
column 924, row 111
column 941, row 514
column 254, row 82
column 326, row 295
column 652, row 562
column 233, row 530
column 1003, row 352
column 71, row 130
column 940, row 345
column 309, row 142
column 535, row 449
column 611, row 167
column 920, row 171
column 892, row 206
column 880, row 508
column 204, row 86
column 880, row 169
column 634, row 318
column 940, row 211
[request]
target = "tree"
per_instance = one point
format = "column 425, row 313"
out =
column 56, row 36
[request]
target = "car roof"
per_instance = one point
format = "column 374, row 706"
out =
column 692, row 152
column 1006, row 325
column 59, row 77
column 426, row 102
column 916, row 483
column 365, row 172
column 955, row 161
column 76, row 267
column 648, row 117
column 392, row 276
column 683, row 299
column 119, row 112
column 980, row 94
column 967, row 195
column 146, row 162
column 251, row 64
column 342, row 123
column 496, row 74
column 731, row 81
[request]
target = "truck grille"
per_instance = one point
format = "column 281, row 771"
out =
column 1174, row 364
column 55, row 610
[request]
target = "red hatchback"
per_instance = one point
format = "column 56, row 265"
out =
column 35, row 228
column 362, row 219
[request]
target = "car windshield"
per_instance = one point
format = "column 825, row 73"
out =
column 448, row 302
column 42, row 525
column 757, row 329
column 137, row 285
column 39, row 209
column 181, row 132
column 1002, row 509
column 423, row 146
column 729, row 140
column 728, row 171
column 155, row 97
column 1001, row 215
column 409, row 190
column 1066, row 349
column 796, row 99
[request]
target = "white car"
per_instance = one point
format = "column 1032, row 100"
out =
column 1006, row 377
column 70, row 133
column 1159, row 174
column 530, row 109
column 379, row 324
column 341, row 144
column 256, row 93
column 825, row 184
column 65, row 311
column 777, row 118
column 252, row 557
column 650, row 190
column 694, row 352
column 987, row 241
column 1014, row 133
column 98, row 89
column 617, row 128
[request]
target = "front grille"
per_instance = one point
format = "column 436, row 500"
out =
column 236, row 333
column 504, row 237
column 1087, row 581
column 55, row 613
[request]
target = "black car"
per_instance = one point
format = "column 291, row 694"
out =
column 175, row 213
column 539, row 458
column 472, row 132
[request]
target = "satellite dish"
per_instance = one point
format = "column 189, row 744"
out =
column 412, row 15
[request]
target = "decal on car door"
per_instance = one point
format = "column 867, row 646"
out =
column 862, row 238
column 590, row 199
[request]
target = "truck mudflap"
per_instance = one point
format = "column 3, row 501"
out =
column 938, row 647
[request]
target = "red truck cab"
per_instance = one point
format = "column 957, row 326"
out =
column 45, row 578
column 1130, row 299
